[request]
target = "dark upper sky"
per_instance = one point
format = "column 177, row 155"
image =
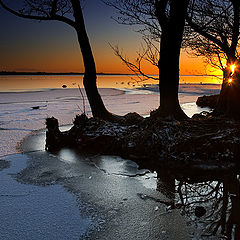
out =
column 52, row 46
column 28, row 45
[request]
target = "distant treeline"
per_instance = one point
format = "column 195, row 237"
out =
column 47, row 73
column 36, row 73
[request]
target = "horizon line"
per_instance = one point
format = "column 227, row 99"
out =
column 4, row 73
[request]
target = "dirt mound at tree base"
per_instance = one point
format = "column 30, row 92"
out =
column 208, row 144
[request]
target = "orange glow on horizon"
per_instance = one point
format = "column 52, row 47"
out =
column 45, row 60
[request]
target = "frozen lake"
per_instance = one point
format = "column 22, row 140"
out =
column 66, row 196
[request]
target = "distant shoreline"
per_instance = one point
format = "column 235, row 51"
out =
column 14, row 73
column 5, row 73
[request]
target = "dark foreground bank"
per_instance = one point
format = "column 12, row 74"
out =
column 203, row 143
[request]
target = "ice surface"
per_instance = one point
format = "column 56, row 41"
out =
column 18, row 119
column 33, row 212
column 188, row 88
column 69, row 196
column 30, row 212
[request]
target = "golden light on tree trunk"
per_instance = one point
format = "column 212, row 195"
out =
column 229, row 80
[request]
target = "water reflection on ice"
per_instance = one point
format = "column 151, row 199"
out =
column 211, row 205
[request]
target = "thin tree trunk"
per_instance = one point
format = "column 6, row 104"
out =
column 90, row 78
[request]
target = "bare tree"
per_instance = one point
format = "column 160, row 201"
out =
column 159, row 21
column 69, row 12
column 213, row 32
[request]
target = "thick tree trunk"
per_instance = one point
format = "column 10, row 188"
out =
column 170, row 47
column 169, row 78
column 229, row 99
column 90, row 78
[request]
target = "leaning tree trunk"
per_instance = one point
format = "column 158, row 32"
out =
column 90, row 77
column 171, row 40
column 229, row 99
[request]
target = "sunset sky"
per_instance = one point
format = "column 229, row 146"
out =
column 27, row 45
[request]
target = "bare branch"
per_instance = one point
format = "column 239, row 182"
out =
column 213, row 30
column 45, row 17
column 136, row 68
column 204, row 33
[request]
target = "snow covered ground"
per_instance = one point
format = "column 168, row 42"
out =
column 18, row 118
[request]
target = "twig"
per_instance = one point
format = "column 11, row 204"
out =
column 83, row 100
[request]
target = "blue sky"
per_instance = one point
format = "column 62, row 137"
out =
column 25, row 42
column 28, row 45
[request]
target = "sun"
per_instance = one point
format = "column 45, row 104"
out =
column 232, row 67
